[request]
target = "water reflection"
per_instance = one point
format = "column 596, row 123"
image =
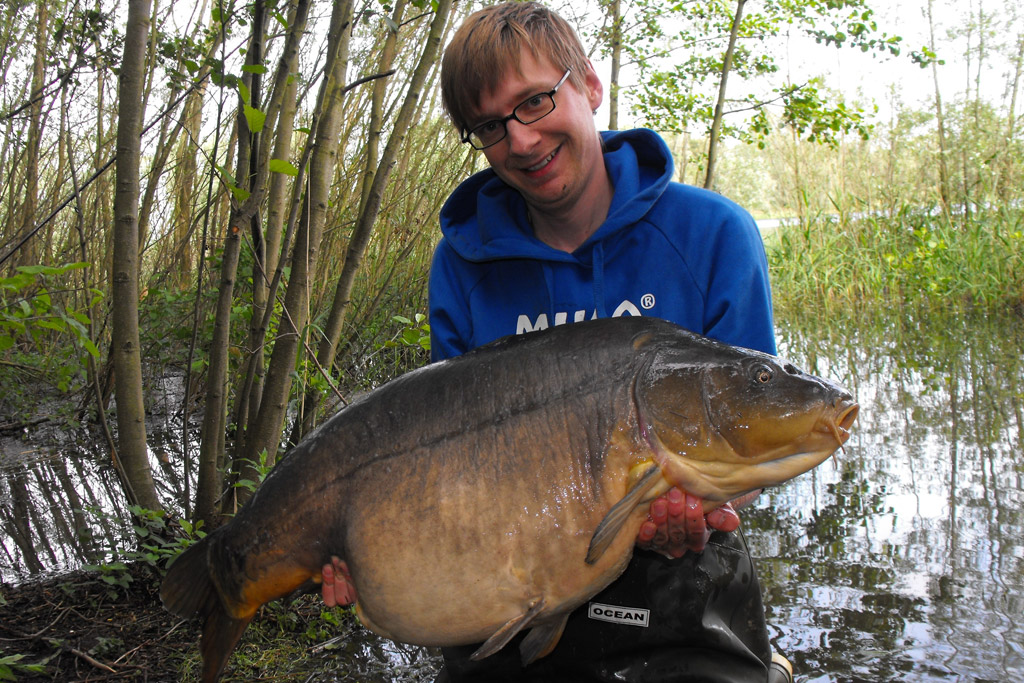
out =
column 901, row 563
column 61, row 505
column 51, row 505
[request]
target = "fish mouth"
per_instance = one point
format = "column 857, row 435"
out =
column 835, row 423
column 839, row 425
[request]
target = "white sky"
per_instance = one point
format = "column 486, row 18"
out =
column 875, row 78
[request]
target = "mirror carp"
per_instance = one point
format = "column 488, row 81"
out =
column 494, row 493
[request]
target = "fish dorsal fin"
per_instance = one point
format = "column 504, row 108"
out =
column 507, row 632
column 617, row 516
column 541, row 640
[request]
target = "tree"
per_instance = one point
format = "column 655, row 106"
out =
column 684, row 86
column 264, row 435
column 248, row 187
column 131, row 426
column 372, row 197
column 28, row 254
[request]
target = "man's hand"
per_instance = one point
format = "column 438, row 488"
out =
column 337, row 587
column 677, row 523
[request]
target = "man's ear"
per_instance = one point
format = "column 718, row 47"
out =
column 595, row 89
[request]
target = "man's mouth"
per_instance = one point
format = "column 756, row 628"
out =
column 542, row 163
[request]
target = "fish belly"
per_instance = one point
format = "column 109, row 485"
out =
column 479, row 556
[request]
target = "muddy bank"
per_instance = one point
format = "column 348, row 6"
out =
column 84, row 626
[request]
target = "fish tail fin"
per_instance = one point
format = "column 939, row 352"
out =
column 188, row 591
column 221, row 633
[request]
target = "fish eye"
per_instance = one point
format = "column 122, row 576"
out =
column 762, row 374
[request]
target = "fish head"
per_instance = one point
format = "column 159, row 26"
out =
column 723, row 421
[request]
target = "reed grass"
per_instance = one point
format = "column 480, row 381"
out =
column 907, row 257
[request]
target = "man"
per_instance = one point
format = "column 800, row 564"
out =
column 566, row 225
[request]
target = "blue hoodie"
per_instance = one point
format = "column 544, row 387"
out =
column 666, row 249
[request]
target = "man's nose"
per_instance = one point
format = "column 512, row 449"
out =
column 522, row 138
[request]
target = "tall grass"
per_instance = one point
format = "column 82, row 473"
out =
column 908, row 257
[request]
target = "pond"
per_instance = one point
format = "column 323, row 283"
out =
column 902, row 561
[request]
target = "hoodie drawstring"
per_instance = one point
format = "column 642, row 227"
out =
column 597, row 261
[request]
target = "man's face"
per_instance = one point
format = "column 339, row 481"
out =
column 554, row 162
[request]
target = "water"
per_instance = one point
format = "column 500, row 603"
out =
column 902, row 562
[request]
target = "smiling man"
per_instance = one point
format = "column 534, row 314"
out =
column 569, row 224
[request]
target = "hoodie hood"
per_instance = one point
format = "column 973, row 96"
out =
column 485, row 219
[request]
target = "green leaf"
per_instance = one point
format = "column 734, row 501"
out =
column 227, row 174
column 91, row 348
column 254, row 69
column 55, row 325
column 282, row 166
column 239, row 193
column 254, row 117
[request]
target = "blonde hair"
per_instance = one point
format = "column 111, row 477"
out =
column 491, row 41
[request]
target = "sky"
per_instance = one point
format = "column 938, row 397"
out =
column 875, row 78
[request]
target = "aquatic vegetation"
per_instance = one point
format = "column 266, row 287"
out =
column 901, row 258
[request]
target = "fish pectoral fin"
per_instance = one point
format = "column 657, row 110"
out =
column 541, row 640
column 508, row 631
column 612, row 523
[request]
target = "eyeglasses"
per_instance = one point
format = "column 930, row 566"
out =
column 531, row 110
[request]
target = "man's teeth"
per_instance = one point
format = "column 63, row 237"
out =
column 543, row 162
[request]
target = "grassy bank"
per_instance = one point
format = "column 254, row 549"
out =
column 907, row 258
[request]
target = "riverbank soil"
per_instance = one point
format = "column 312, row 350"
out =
column 86, row 627
column 79, row 627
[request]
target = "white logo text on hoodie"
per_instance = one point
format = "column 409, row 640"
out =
column 627, row 307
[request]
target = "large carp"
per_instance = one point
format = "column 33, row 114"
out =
column 498, row 491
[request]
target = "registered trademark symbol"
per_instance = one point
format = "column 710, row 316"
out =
column 647, row 301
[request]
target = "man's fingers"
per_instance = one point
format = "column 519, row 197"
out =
column 723, row 518
column 676, row 503
column 677, row 527
column 697, row 533
column 327, row 585
column 659, row 511
column 336, row 586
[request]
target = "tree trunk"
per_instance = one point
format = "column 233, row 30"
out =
column 613, row 81
column 940, row 121
column 250, row 386
column 1004, row 187
column 29, row 253
column 251, row 172
column 328, row 344
column 371, row 208
column 131, row 423
column 264, row 435
column 716, row 123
